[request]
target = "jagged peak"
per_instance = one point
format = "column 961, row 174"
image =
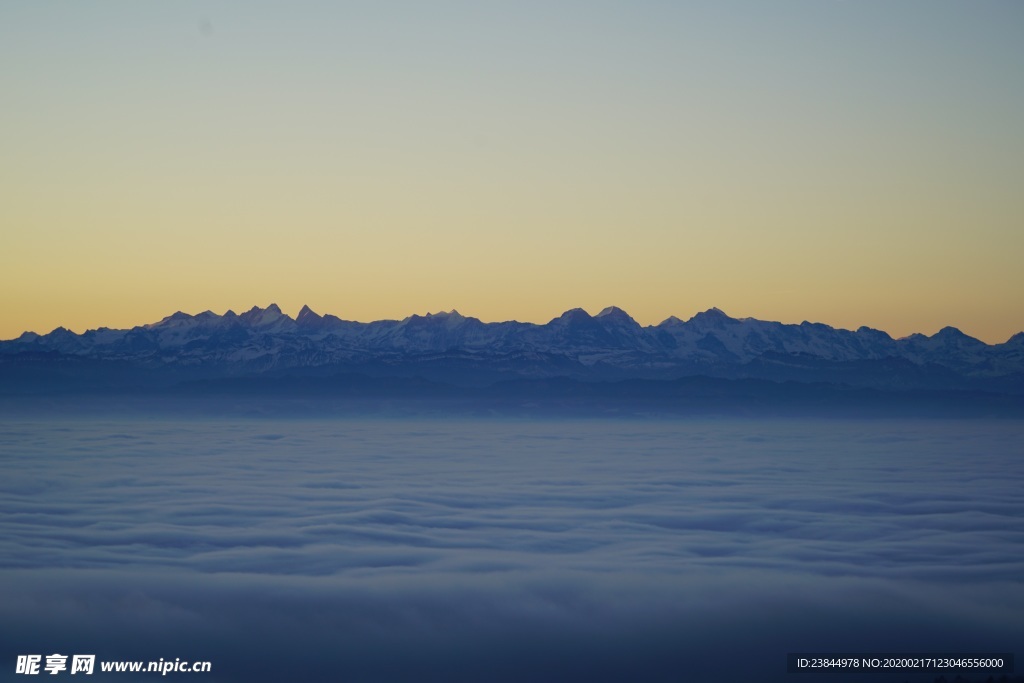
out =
column 307, row 315
column 180, row 317
column 671, row 320
column 177, row 315
column 864, row 329
column 453, row 314
column 613, row 312
column 273, row 309
column 262, row 317
column 952, row 333
column 713, row 314
column 574, row 314
column 174, row 317
column 60, row 331
column 449, row 319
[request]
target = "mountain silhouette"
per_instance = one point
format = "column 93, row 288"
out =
column 451, row 349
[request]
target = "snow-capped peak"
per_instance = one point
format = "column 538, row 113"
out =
column 613, row 311
column 175, row 319
column 574, row 314
column 712, row 315
column 264, row 317
column 453, row 314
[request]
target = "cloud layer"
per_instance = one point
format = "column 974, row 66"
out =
column 383, row 550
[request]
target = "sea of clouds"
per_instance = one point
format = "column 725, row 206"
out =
column 515, row 550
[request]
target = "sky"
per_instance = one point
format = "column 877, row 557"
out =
column 852, row 163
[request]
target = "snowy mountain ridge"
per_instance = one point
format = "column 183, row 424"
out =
column 610, row 344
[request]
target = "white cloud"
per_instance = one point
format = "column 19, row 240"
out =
column 509, row 550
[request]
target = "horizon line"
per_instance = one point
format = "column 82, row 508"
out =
column 605, row 311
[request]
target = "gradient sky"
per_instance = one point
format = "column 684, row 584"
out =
column 853, row 163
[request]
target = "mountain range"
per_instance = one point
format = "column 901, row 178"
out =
column 449, row 349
